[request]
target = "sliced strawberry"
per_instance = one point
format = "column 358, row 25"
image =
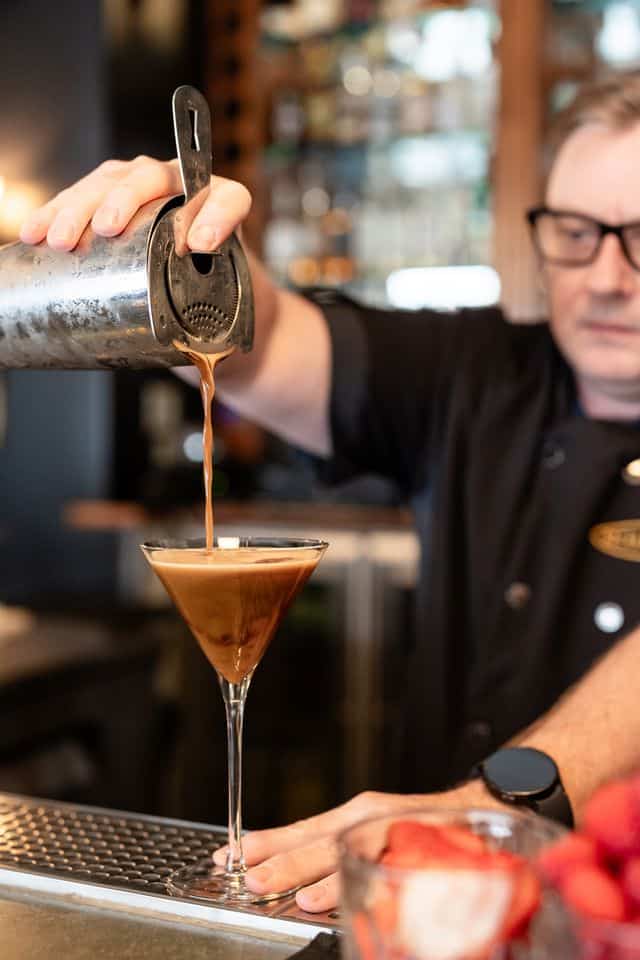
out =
column 573, row 850
column 464, row 839
column 594, row 893
column 527, row 896
column 363, row 937
column 384, row 913
column 612, row 818
column 630, row 880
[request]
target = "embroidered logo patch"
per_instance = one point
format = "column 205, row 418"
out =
column 620, row 538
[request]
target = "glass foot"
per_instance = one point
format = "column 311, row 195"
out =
column 205, row 881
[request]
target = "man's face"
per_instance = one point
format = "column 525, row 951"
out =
column 595, row 309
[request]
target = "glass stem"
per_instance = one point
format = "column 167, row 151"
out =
column 234, row 695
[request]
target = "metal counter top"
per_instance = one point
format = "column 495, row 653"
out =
column 83, row 882
column 37, row 928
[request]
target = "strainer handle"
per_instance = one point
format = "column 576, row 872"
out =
column 192, row 128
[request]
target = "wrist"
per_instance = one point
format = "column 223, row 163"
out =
column 474, row 793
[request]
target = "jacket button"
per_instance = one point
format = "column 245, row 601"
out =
column 553, row 456
column 608, row 617
column 517, row 595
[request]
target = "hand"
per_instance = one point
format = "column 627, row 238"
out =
column 109, row 196
column 306, row 852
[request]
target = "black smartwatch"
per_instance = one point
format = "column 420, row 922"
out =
column 529, row 778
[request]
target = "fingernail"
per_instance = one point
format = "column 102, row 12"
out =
column 261, row 874
column 220, row 856
column 106, row 218
column 31, row 229
column 202, row 238
column 62, row 231
column 309, row 897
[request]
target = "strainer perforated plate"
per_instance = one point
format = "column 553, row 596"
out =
column 119, row 857
column 101, row 846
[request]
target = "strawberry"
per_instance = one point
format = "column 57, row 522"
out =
column 464, row 839
column 384, row 912
column 363, row 937
column 526, row 899
column 413, row 845
column 573, row 850
column 594, row 893
column 630, row 880
column 612, row 819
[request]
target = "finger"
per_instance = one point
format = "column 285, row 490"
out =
column 259, row 845
column 77, row 199
column 36, row 226
column 320, row 896
column 146, row 179
column 226, row 206
column 299, row 867
column 74, row 209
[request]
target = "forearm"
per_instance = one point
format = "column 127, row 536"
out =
column 284, row 381
column 593, row 731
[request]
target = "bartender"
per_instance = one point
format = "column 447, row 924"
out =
column 510, row 441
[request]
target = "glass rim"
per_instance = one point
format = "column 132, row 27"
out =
column 461, row 814
column 233, row 542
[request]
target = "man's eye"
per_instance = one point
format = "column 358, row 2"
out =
column 575, row 234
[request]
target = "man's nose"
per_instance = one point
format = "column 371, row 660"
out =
column 611, row 272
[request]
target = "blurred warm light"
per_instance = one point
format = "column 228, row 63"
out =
column 338, row 270
column 161, row 23
column 315, row 202
column 337, row 222
column 443, row 288
column 304, row 271
column 357, row 80
column 386, row 83
column 17, row 201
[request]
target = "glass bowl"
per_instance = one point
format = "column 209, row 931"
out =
column 440, row 913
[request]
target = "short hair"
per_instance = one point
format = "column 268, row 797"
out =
column 612, row 101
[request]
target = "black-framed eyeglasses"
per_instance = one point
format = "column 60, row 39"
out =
column 574, row 239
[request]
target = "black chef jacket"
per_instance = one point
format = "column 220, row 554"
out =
column 477, row 421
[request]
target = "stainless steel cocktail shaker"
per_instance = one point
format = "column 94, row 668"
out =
column 124, row 301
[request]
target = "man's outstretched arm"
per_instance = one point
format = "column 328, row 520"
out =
column 593, row 734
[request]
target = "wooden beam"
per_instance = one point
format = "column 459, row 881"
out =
column 517, row 161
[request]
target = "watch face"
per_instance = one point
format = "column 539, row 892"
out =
column 521, row 772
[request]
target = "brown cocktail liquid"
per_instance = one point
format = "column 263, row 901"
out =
column 233, row 599
column 205, row 364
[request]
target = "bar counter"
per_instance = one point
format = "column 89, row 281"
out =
column 84, row 882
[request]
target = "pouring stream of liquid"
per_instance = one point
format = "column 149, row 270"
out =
column 205, row 363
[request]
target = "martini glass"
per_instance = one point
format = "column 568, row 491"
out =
column 232, row 598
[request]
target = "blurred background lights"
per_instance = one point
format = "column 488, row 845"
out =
column 455, row 42
column 357, row 80
column 443, row 288
column 386, row 83
column 17, row 200
column 315, row 202
column 192, row 447
column 438, row 159
column 618, row 42
column 403, row 42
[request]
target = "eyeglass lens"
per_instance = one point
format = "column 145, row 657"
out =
column 571, row 239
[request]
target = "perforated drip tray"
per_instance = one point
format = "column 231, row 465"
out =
column 123, row 859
